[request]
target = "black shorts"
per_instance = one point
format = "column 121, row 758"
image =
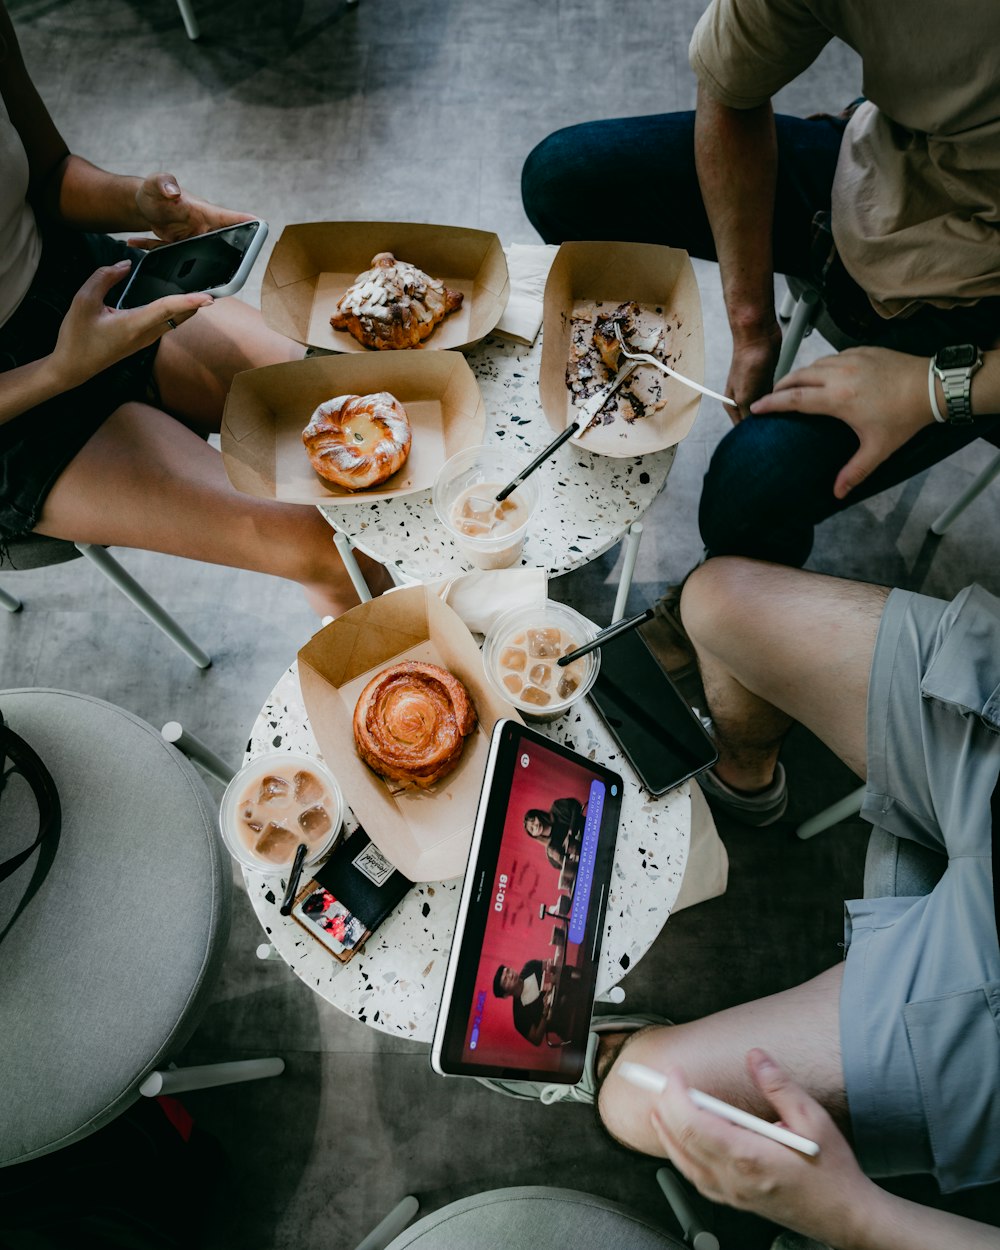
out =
column 36, row 446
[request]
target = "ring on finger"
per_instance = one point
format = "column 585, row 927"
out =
column 171, row 323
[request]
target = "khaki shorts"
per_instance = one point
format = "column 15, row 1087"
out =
column 920, row 1004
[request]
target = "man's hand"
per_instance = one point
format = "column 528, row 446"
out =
column 821, row 1197
column 93, row 336
column 172, row 214
column 880, row 394
column 751, row 372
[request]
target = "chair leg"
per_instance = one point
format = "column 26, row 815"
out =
column 805, row 313
column 972, row 492
column 9, row 601
column 145, row 602
column 175, row 733
column 692, row 1229
column 207, row 1076
column 393, row 1224
column 266, row 951
column 632, row 539
column 787, row 306
column 190, row 21
column 849, row 805
column 343, row 545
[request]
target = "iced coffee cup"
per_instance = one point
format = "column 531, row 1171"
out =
column 520, row 654
column 276, row 802
column 489, row 534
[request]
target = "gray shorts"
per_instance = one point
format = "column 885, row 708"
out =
column 920, row 1005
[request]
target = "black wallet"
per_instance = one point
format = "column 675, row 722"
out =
column 360, row 876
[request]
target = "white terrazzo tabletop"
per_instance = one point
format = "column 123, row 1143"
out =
column 395, row 983
column 586, row 501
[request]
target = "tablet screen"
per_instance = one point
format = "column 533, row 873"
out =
column 525, row 960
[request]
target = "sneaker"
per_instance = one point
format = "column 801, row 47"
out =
column 586, row 1088
column 756, row 810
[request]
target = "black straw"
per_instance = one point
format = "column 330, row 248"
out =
column 293, row 880
column 606, row 635
column 542, row 456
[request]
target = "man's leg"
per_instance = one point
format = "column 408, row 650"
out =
column 634, row 178
column 775, row 645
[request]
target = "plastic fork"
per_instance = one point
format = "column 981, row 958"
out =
column 646, row 359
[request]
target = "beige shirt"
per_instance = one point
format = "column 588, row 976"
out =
column 20, row 243
column 916, row 194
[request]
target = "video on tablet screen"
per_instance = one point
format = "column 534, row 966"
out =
column 533, row 992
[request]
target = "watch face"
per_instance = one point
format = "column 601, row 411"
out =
column 961, row 357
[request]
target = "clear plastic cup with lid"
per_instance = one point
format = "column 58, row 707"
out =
column 274, row 803
column 489, row 535
column 520, row 654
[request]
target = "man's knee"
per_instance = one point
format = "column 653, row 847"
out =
column 718, row 597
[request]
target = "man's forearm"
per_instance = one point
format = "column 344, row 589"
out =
column 893, row 1223
column 92, row 199
column 736, row 156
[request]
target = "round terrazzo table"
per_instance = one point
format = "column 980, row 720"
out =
column 586, row 502
column 395, row 984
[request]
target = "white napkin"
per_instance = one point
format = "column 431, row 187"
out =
column 479, row 598
column 528, row 265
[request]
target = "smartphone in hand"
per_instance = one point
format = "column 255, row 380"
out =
column 217, row 263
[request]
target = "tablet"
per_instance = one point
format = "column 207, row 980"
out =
column 522, row 973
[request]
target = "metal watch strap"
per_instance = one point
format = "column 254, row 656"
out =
column 957, row 386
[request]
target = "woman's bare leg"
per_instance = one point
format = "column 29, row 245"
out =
column 800, row 1028
column 196, row 363
column 777, row 645
column 144, row 480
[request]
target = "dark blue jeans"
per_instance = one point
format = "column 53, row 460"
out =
column 771, row 478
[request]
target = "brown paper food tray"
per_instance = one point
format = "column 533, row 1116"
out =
column 267, row 410
column 653, row 276
column 313, row 264
column 426, row 834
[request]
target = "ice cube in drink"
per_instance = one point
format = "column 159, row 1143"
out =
column 514, row 659
column 540, row 675
column 543, row 644
column 513, row 683
column 273, row 789
column 315, row 822
column 307, row 787
column 536, row 696
column 276, row 844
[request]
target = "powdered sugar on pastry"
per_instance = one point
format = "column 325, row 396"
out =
column 593, row 358
column 393, row 304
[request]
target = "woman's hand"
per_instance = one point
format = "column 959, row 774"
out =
column 880, row 394
column 94, row 336
column 826, row 1197
column 172, row 214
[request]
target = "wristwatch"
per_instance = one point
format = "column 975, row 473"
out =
column 955, row 367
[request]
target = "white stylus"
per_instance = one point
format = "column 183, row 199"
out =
column 641, row 1077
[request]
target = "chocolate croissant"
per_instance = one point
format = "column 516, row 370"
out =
column 394, row 304
column 411, row 722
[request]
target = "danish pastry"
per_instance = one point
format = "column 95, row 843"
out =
column 411, row 722
column 393, row 304
column 358, row 440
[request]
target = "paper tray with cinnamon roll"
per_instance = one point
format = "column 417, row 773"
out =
column 425, row 731
column 268, row 409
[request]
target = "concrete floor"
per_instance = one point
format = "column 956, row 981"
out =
column 305, row 110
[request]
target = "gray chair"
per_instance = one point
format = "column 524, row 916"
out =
column 523, row 1218
column 35, row 551
column 108, row 967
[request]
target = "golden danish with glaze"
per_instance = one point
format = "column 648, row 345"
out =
column 358, row 441
column 411, row 722
column 393, row 304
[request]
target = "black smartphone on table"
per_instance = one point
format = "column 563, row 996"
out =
column 217, row 263
column 660, row 736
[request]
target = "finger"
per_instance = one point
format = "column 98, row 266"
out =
column 853, row 473
column 144, row 244
column 175, row 308
column 812, row 398
column 795, row 1106
column 167, row 186
column 102, row 280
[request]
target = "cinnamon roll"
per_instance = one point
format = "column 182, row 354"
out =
column 411, row 722
column 358, row 441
